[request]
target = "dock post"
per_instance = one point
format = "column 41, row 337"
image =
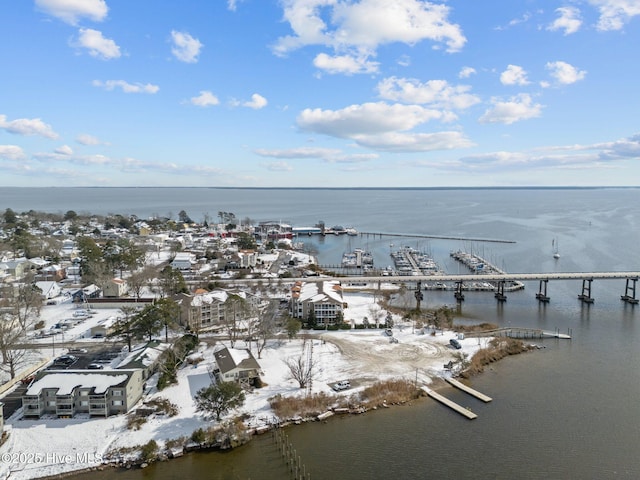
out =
column 458, row 294
column 585, row 296
column 542, row 291
column 630, row 292
column 500, row 296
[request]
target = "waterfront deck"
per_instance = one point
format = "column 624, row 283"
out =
column 469, row 390
column 451, row 404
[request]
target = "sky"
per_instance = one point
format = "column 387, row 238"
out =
column 319, row 93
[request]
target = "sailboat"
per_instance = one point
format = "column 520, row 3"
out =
column 554, row 245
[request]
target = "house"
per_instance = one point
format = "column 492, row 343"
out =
column 144, row 357
column 97, row 393
column 116, row 287
column 17, row 268
column 49, row 289
column 234, row 365
column 324, row 299
column 183, row 261
column 247, row 258
column 53, row 273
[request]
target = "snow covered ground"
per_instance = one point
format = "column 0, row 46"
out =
column 49, row 446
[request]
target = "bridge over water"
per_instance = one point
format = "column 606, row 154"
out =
column 462, row 281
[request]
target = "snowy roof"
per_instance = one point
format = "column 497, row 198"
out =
column 318, row 292
column 66, row 382
column 228, row 359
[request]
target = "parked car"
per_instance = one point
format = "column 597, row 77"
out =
column 455, row 344
column 95, row 366
column 65, row 360
column 343, row 385
column 77, row 350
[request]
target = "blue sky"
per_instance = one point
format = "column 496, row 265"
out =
column 319, row 93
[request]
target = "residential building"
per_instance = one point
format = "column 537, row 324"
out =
column 49, row 289
column 183, row 261
column 234, row 365
column 97, row 393
column 324, row 299
column 116, row 287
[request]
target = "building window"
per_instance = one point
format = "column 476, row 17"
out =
column 117, row 393
column 117, row 403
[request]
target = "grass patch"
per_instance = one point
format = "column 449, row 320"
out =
column 389, row 392
column 497, row 350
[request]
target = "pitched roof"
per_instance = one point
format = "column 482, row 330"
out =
column 229, row 359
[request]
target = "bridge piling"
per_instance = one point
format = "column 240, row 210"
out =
column 542, row 291
column 585, row 296
column 500, row 296
column 630, row 292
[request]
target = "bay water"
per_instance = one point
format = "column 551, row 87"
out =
column 568, row 410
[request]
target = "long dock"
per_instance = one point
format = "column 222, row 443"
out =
column 453, row 405
column 469, row 390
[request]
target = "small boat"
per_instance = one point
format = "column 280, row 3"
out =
column 556, row 254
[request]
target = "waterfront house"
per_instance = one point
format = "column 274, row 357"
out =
column 97, row 393
column 234, row 365
column 324, row 299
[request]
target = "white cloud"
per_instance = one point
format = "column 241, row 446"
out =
column 368, row 118
column 96, row 44
column 359, row 28
column 127, row 87
column 278, row 166
column 185, row 47
column 378, row 126
column 346, row 64
column 568, row 20
column 466, row 72
column 615, row 13
column 329, row 155
column 70, row 11
column 86, row 139
column 514, row 75
column 565, row 73
column 27, row 127
column 205, row 99
column 257, row 102
column 11, row 152
column 520, row 107
column 64, row 150
column 437, row 93
column 233, row 4
column 414, row 142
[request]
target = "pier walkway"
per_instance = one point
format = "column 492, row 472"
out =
column 469, row 390
column 451, row 404
column 517, row 332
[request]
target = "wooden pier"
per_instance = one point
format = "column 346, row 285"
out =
column 469, row 390
column 451, row 404
column 518, row 332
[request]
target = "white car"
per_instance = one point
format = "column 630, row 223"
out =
column 343, row 385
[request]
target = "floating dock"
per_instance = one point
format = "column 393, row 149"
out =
column 453, row 405
column 469, row 390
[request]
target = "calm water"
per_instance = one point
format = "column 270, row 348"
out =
column 570, row 410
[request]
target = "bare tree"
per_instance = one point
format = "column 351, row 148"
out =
column 11, row 336
column 266, row 326
column 141, row 278
column 236, row 309
column 301, row 368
